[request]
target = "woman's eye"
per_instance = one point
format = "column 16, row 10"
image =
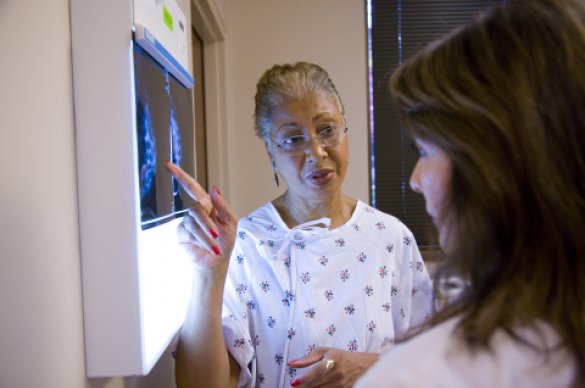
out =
column 419, row 150
column 292, row 140
column 327, row 130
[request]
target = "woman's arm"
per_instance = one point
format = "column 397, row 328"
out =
column 207, row 233
column 202, row 359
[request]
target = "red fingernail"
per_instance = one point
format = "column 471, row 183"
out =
column 215, row 250
column 213, row 233
column 295, row 382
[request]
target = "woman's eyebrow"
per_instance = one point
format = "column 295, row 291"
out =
column 287, row 125
column 327, row 115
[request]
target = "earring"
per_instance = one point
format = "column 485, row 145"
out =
column 275, row 174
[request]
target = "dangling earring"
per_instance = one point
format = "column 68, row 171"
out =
column 275, row 174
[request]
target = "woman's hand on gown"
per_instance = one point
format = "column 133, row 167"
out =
column 343, row 371
column 208, row 231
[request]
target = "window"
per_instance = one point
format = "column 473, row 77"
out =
column 396, row 30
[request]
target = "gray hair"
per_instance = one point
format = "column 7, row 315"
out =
column 288, row 81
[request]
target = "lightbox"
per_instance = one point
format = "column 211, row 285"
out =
column 133, row 112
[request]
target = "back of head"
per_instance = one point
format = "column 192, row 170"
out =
column 504, row 97
column 289, row 81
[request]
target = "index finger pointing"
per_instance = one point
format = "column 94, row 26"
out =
column 189, row 184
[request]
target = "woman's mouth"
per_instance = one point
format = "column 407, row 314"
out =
column 320, row 177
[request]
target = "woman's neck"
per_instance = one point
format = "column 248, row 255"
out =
column 295, row 210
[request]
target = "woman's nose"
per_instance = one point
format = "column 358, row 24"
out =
column 415, row 179
column 315, row 150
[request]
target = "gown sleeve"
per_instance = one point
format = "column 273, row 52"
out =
column 416, row 290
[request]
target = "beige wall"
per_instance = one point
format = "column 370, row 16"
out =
column 41, row 325
column 260, row 33
column 40, row 291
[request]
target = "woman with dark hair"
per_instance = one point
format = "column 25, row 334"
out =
column 496, row 110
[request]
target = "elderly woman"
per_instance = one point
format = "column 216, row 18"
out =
column 310, row 287
column 496, row 109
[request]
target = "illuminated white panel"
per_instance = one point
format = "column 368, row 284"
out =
column 165, row 286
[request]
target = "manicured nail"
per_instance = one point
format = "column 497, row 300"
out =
column 295, row 382
column 215, row 250
column 213, row 233
column 292, row 361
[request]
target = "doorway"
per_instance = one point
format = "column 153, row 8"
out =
column 199, row 106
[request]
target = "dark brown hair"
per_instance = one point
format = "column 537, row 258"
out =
column 504, row 97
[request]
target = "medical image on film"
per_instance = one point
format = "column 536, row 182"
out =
column 165, row 132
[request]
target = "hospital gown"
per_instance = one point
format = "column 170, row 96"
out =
column 356, row 287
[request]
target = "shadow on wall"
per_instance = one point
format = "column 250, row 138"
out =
column 162, row 375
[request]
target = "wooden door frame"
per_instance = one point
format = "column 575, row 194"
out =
column 208, row 21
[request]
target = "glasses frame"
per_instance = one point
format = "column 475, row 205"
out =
column 307, row 141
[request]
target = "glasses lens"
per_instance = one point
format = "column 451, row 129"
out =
column 297, row 145
column 329, row 137
column 293, row 144
column 294, row 148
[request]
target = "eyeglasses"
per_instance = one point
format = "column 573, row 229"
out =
column 298, row 144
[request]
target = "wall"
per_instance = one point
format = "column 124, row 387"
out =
column 260, row 33
column 40, row 291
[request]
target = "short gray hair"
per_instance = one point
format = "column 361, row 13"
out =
column 287, row 81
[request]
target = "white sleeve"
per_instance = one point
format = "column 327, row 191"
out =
column 414, row 287
column 422, row 295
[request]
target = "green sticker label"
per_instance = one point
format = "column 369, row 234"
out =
column 168, row 18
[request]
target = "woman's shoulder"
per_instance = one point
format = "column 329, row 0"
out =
column 373, row 219
column 439, row 358
column 264, row 212
column 411, row 361
column 264, row 219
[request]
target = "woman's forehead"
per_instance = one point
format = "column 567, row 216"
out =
column 306, row 109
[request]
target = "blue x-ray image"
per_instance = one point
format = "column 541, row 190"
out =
column 165, row 132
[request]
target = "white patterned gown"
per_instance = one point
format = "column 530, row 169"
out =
column 288, row 291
